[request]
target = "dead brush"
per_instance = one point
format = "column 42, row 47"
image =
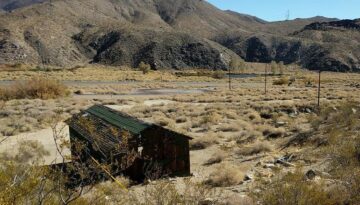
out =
column 256, row 148
column 34, row 88
column 203, row 142
column 216, row 158
column 281, row 81
column 228, row 128
column 225, row 175
column 245, row 137
column 271, row 132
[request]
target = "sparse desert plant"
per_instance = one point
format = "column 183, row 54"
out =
column 203, row 142
column 271, row 132
column 225, row 175
column 339, row 128
column 281, row 67
column 256, row 148
column 162, row 192
column 162, row 121
column 41, row 88
column 181, row 120
column 144, row 67
column 229, row 128
column 215, row 158
column 211, row 117
column 281, row 81
column 237, row 199
column 237, row 64
column 274, row 67
column 218, row 74
column 253, row 116
column 293, row 188
column 248, row 136
column 166, row 193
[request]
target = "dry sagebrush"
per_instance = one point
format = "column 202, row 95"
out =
column 34, row 88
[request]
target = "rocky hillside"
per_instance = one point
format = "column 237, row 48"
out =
column 168, row 34
column 9, row 5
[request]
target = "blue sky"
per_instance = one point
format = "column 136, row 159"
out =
column 274, row 10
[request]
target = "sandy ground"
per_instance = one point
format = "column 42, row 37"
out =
column 45, row 137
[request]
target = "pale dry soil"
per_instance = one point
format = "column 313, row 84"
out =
column 241, row 128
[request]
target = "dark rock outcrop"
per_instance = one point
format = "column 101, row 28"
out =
column 326, row 26
column 166, row 50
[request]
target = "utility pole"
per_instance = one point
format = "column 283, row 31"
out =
column 319, row 88
column 266, row 65
column 287, row 16
column 229, row 74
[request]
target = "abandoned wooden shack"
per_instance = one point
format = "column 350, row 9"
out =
column 126, row 145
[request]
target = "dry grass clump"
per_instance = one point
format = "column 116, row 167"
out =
column 248, row 136
column 253, row 115
column 225, row 175
column 212, row 118
column 237, row 199
column 34, row 88
column 293, row 188
column 281, row 81
column 181, row 120
column 216, row 158
column 218, row 74
column 271, row 132
column 203, row 142
column 165, row 122
column 229, row 128
column 256, row 148
column 18, row 116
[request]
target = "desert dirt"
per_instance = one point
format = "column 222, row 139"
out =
column 243, row 127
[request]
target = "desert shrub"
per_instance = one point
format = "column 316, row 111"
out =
column 229, row 128
column 281, row 67
column 162, row 121
column 41, row 88
column 144, row 67
column 339, row 127
column 218, row 74
column 253, row 116
column 256, row 148
column 293, row 188
column 17, row 65
column 161, row 192
column 281, row 81
column 271, row 132
column 237, row 199
column 203, row 142
column 237, row 64
column 215, row 158
column 248, row 136
column 274, row 67
column 225, row 175
column 211, row 117
column 181, row 120
column 308, row 81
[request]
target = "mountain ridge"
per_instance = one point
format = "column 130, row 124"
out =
column 163, row 33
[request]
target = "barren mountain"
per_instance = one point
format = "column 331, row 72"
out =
column 9, row 5
column 167, row 34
